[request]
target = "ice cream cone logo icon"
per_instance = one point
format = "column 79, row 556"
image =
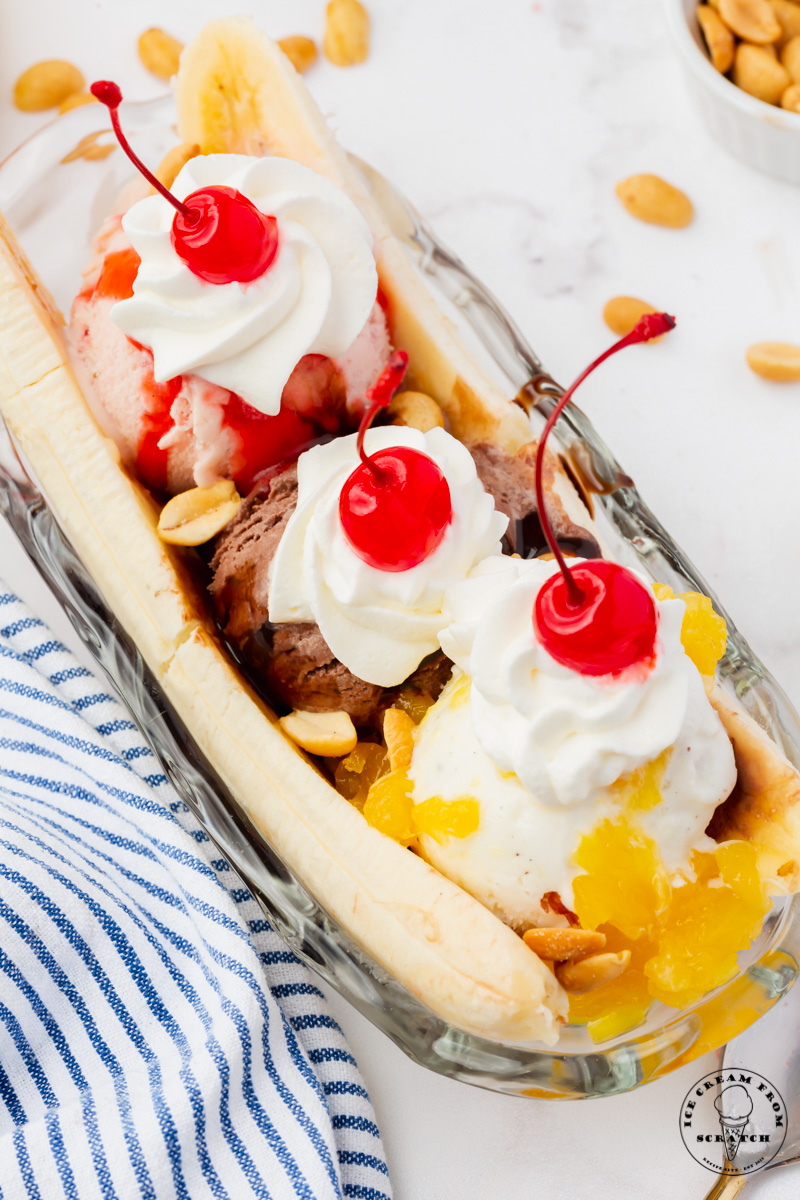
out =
column 735, row 1106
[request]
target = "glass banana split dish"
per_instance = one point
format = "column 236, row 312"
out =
column 527, row 800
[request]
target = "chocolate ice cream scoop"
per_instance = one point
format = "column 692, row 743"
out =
column 510, row 480
column 291, row 664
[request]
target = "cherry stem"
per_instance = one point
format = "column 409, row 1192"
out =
column 380, row 395
column 651, row 326
column 108, row 93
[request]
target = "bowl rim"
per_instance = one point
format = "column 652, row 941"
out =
column 724, row 88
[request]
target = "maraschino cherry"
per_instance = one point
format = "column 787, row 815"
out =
column 217, row 232
column 395, row 507
column 596, row 618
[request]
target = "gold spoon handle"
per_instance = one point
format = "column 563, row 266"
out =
column 727, row 1186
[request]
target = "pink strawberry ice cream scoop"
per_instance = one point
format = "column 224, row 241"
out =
column 188, row 432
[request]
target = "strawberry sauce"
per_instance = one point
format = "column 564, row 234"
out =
column 313, row 403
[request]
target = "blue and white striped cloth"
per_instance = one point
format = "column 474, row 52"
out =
column 156, row 1037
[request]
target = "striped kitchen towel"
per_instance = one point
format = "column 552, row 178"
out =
column 156, row 1037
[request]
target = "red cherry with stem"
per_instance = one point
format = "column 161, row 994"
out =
column 395, row 507
column 595, row 618
column 217, row 232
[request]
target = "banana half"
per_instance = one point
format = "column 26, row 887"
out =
column 237, row 92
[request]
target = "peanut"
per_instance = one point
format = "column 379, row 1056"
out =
column 328, row 734
column 752, row 20
column 787, row 15
column 46, row 85
column 559, row 945
column 398, row 733
column 195, row 516
column 590, row 973
column 718, row 38
column 777, row 361
column 174, row 161
column 417, row 410
column 346, row 41
column 756, row 72
column 76, row 100
column 650, row 198
column 623, row 313
column 790, row 57
column 790, row 100
column 159, row 53
column 301, row 51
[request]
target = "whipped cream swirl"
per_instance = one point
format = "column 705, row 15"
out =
column 380, row 624
column 314, row 298
column 568, row 736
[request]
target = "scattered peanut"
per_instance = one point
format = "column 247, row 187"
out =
column 46, row 85
column 752, row 20
column 790, row 57
column 328, row 734
column 301, row 51
column 174, row 161
column 623, row 313
column 718, row 38
column 777, row 361
column 756, row 72
column 76, row 100
column 650, row 198
column 194, row 517
column 593, row 972
column 91, row 149
column 159, row 52
column 417, row 410
column 790, row 100
column 398, row 733
column 559, row 945
column 787, row 14
column 346, row 40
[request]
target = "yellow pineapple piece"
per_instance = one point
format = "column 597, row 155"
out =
column 640, row 790
column 389, row 807
column 356, row 773
column 398, row 733
column 416, row 704
column 625, row 885
column 703, row 633
column 683, row 939
column 709, row 920
column 441, row 819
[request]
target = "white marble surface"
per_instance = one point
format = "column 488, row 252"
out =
column 509, row 125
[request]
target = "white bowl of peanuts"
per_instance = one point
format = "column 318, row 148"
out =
column 742, row 65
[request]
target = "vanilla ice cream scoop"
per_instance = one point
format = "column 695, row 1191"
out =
column 539, row 746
